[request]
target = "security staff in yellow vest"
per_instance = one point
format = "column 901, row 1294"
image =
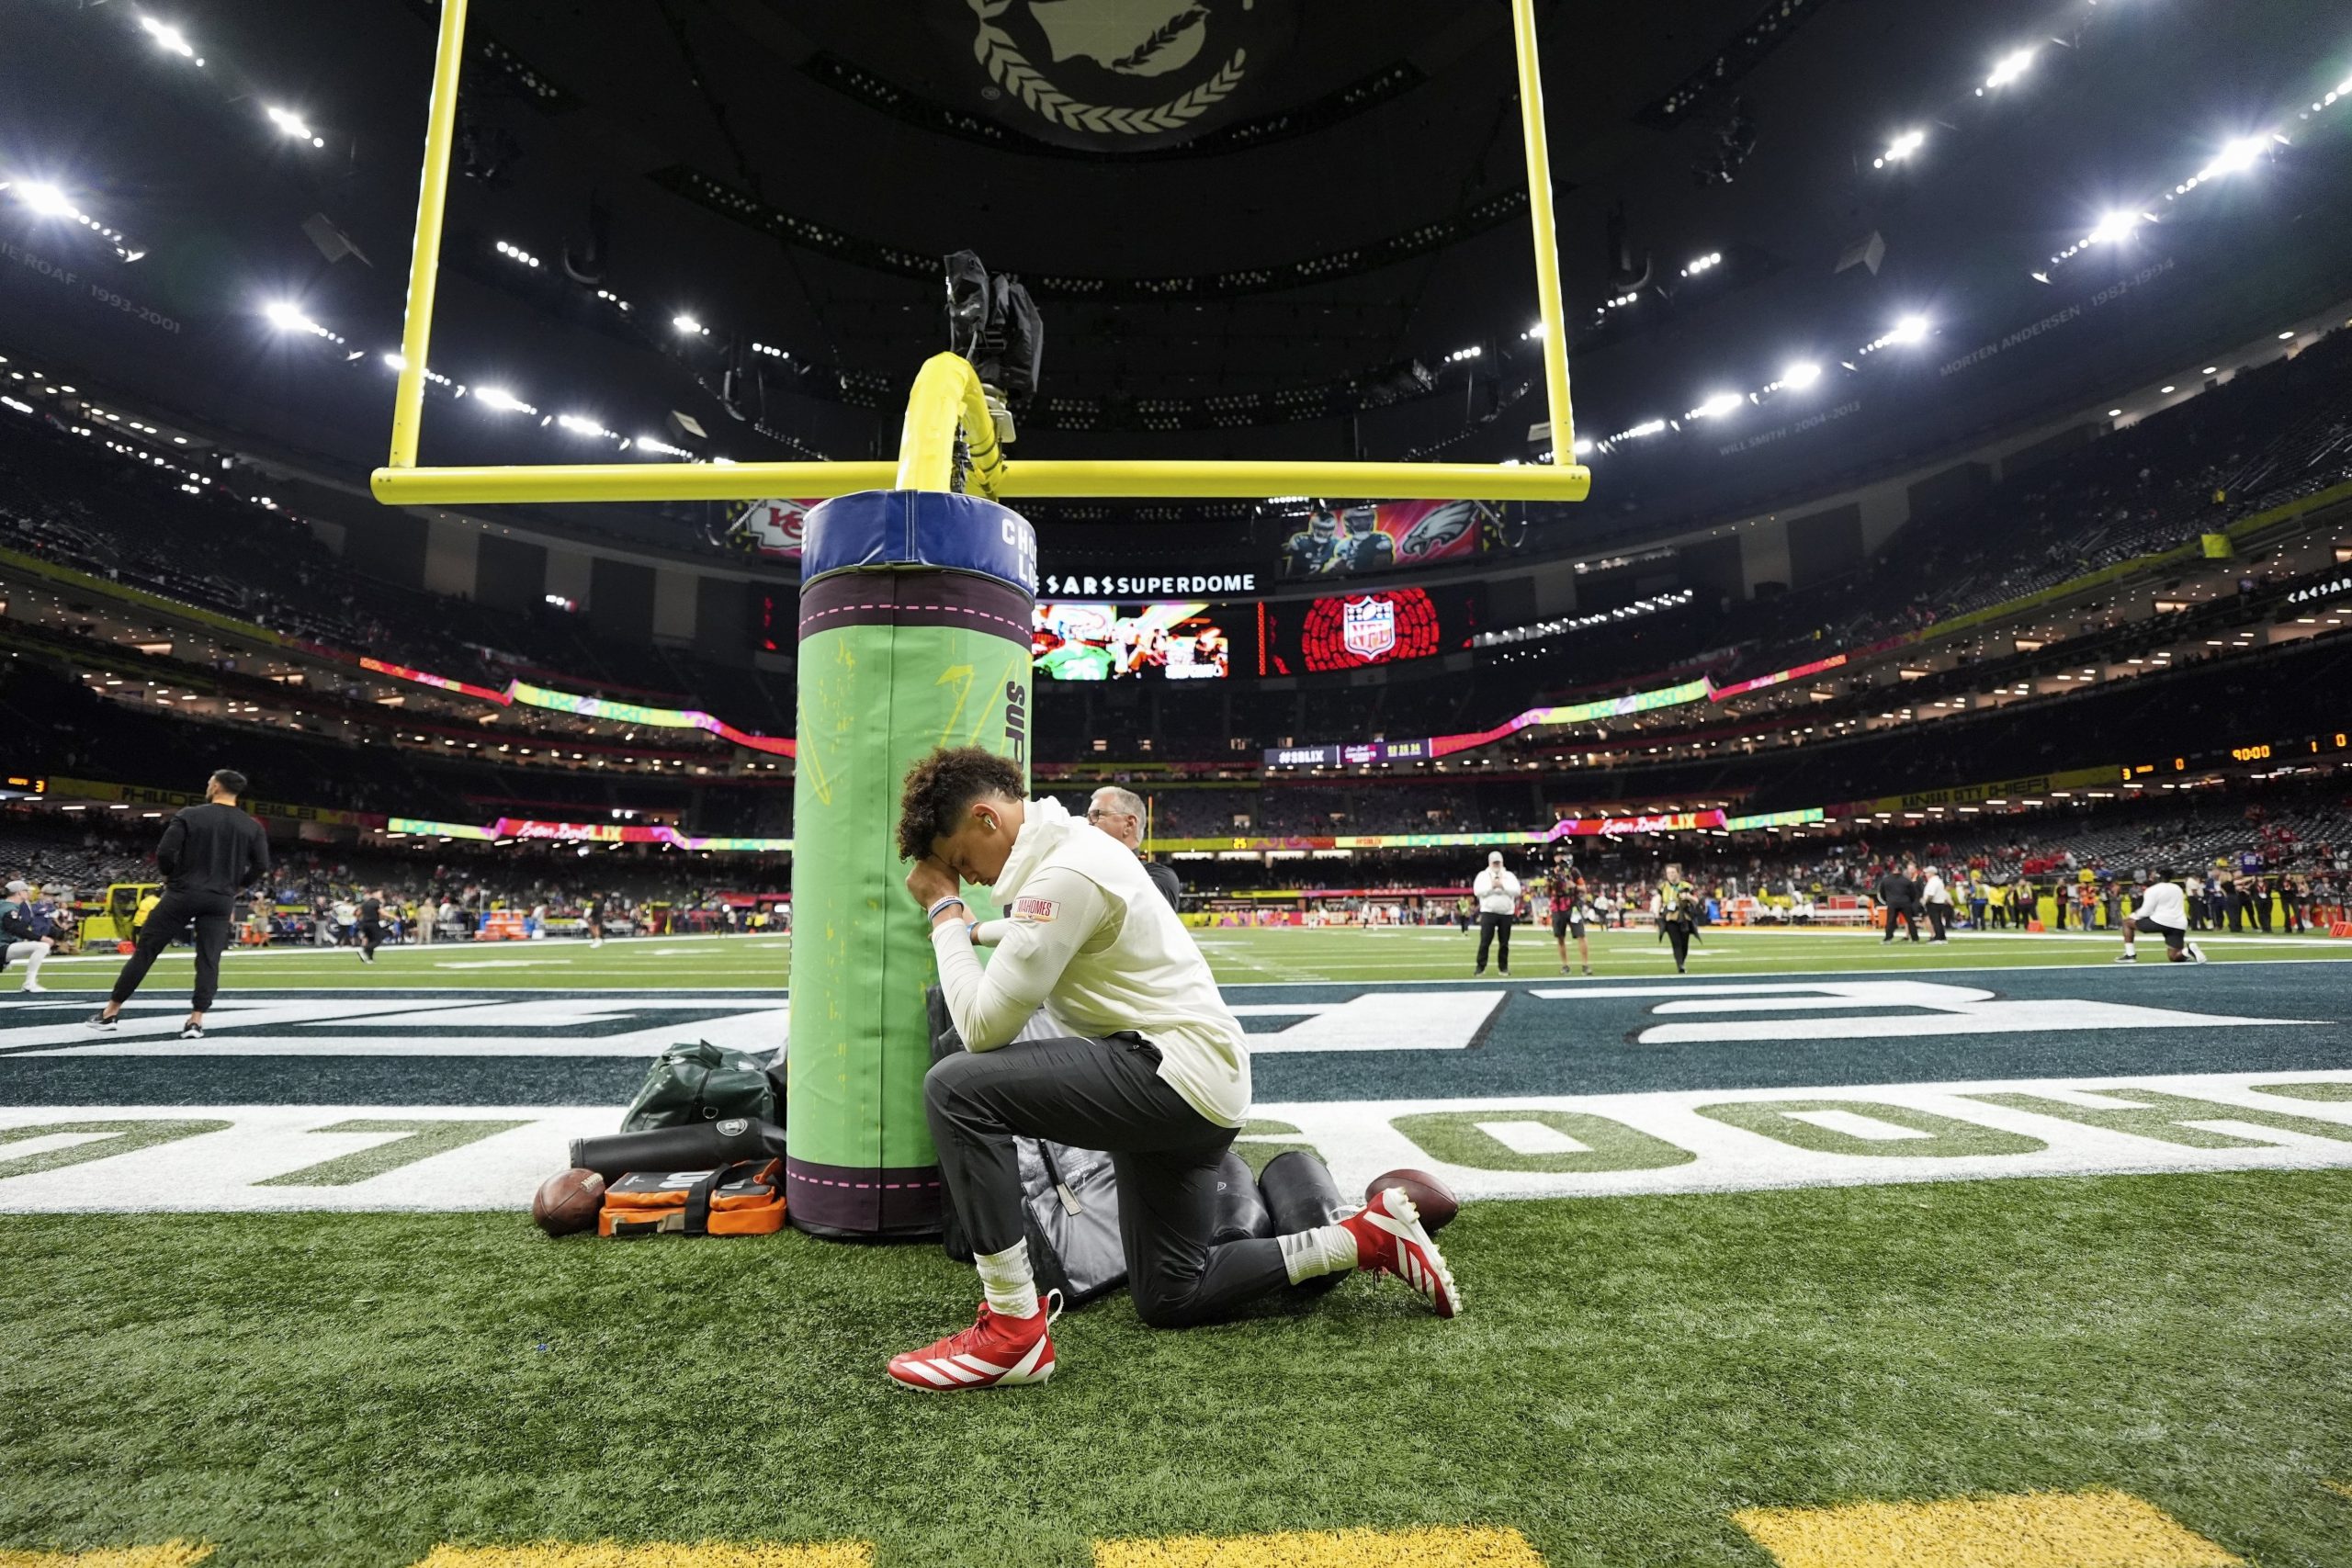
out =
column 1677, row 908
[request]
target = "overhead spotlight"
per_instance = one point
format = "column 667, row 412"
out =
column 1459, row 355
column 2111, row 226
column 2284, row 337
column 291, row 124
column 517, row 254
column 771, row 351
column 687, row 326
column 395, row 359
column 502, row 400
column 46, row 199
column 1902, row 147
column 2237, row 156
column 169, row 37
column 288, row 317
column 1536, row 332
column 2164, row 391
column 1701, row 264
column 1910, row 329
column 2010, row 67
column 1801, row 375
column 1716, row 405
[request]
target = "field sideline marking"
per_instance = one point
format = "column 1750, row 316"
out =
column 652, row 1554
column 1430, row 1547
column 2030, row 1529
column 170, row 1554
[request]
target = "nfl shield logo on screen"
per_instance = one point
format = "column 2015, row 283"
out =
column 1368, row 627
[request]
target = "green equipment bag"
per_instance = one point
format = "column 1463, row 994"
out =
column 696, row 1083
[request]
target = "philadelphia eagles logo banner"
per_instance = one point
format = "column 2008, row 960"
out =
column 1119, row 75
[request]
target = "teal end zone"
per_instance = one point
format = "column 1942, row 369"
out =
column 914, row 634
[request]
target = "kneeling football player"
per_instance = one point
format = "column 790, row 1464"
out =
column 1155, row 1073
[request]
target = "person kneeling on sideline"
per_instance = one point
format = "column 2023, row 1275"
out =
column 1155, row 1071
column 2162, row 910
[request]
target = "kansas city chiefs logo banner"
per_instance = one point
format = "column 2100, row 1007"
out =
column 773, row 527
column 1125, row 74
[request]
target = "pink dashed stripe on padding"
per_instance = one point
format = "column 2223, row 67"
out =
column 934, row 609
column 863, row 1186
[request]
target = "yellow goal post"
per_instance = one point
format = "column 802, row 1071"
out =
column 945, row 405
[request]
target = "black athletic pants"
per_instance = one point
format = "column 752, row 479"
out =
column 1908, row 914
column 371, row 936
column 1490, row 927
column 174, row 914
column 1099, row 1094
column 1679, row 937
column 1939, row 916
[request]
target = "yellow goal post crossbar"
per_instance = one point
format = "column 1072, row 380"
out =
column 946, row 405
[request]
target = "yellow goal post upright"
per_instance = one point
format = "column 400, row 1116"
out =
column 915, row 605
column 946, row 399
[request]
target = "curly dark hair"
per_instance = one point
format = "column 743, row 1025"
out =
column 943, row 785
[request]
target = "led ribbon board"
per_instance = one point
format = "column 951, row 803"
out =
column 547, row 697
column 582, row 833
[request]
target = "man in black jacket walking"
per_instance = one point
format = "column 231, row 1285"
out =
column 208, row 853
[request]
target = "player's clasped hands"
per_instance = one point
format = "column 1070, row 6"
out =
column 930, row 881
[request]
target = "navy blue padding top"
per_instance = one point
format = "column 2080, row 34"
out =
column 881, row 529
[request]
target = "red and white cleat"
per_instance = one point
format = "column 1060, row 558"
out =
column 1390, row 1240
column 995, row 1352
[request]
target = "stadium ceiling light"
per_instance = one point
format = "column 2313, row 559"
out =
column 688, row 326
column 2284, row 337
column 1716, row 405
column 517, row 254
column 1459, row 355
column 2113, row 226
column 291, row 124
column 1701, row 264
column 771, row 351
column 395, row 360
column 46, row 199
column 2010, row 67
column 502, row 400
column 2164, row 391
column 2115, row 413
column 2237, row 156
column 1534, row 332
column 169, row 38
column 1910, row 329
column 2210, row 369
column 1801, row 375
column 288, row 317
column 1902, row 147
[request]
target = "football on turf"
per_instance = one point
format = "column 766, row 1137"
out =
column 568, row 1202
column 1433, row 1198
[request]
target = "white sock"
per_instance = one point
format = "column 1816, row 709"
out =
column 32, row 962
column 2127, row 951
column 1326, row 1249
column 1005, row 1277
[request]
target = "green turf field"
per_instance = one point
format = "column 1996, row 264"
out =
column 1725, row 1250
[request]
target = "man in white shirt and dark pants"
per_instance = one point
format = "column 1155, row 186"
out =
column 1154, row 1069
column 2162, row 910
column 1497, row 891
column 1936, row 898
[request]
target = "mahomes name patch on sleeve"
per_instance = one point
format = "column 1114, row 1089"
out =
column 1038, row 911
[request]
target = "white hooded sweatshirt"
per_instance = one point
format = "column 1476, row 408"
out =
column 1089, row 938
